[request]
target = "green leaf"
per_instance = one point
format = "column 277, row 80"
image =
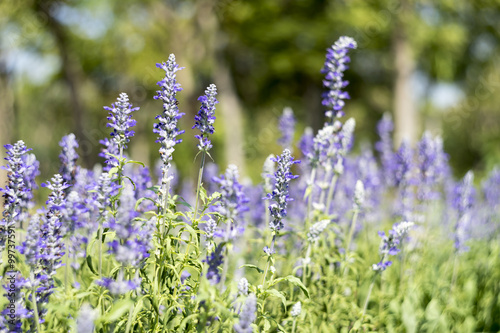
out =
column 112, row 171
column 183, row 202
column 89, row 263
column 275, row 293
column 136, row 162
column 253, row 267
column 296, row 281
column 267, row 325
column 120, row 308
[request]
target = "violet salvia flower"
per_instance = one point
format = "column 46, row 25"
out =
column 105, row 188
column 51, row 243
column 491, row 189
column 14, row 193
column 205, row 118
column 166, row 128
column 120, row 119
column 120, row 286
column 316, row 230
column 286, row 126
column 368, row 172
column 110, row 150
column 247, row 315
column 10, row 319
column 280, row 194
column 306, row 142
column 335, row 65
column 432, row 166
column 31, row 171
column 210, row 228
column 404, row 179
column 134, row 241
column 390, row 244
column 386, row 149
column 326, row 145
column 68, row 157
column 214, row 260
column 86, row 318
column 232, row 200
column 243, row 287
column 30, row 245
column 463, row 200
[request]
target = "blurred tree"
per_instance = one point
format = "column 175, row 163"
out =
column 69, row 58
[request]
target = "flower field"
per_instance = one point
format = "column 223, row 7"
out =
column 385, row 240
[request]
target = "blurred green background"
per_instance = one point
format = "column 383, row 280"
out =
column 434, row 64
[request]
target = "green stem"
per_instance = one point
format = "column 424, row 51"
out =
column 129, row 321
column 369, row 294
column 306, row 260
column 309, row 199
column 349, row 239
column 269, row 259
column 35, row 310
column 226, row 262
column 331, row 190
column 294, row 324
column 100, row 247
column 200, row 175
column 66, row 269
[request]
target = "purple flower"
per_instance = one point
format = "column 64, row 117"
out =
column 214, row 260
column 15, row 192
column 120, row 286
column 404, row 179
column 166, row 128
column 104, row 190
column 30, row 246
column 286, row 126
column 326, row 145
column 205, row 118
column 68, row 158
column 134, row 240
column 385, row 148
column 51, row 232
column 432, row 165
column 247, row 315
column 390, row 244
column 120, row 119
column 463, row 201
column 306, row 142
column 280, row 194
column 109, row 152
column 232, row 202
column 335, row 65
column 491, row 189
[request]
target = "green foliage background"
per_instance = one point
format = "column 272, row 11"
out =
column 273, row 51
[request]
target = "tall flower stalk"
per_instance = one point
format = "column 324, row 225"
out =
column 15, row 192
column 204, row 121
column 334, row 67
column 166, row 128
column 281, row 197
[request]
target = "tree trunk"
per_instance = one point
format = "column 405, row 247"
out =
column 405, row 111
column 69, row 69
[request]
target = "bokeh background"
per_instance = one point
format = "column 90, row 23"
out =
column 434, row 65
